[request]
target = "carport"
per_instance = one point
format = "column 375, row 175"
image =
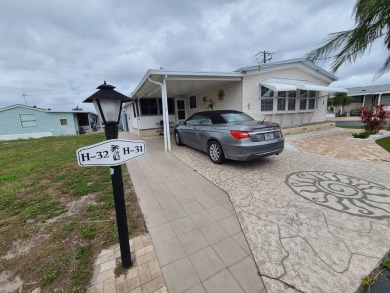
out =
column 164, row 84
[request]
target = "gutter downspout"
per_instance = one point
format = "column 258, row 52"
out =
column 167, row 137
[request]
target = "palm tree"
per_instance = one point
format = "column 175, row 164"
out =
column 342, row 100
column 372, row 18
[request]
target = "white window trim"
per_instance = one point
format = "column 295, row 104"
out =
column 297, row 99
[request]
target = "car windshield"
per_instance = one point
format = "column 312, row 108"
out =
column 236, row 117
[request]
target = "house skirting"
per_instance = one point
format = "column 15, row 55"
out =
column 25, row 135
column 307, row 128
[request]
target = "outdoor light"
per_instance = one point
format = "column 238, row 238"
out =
column 108, row 104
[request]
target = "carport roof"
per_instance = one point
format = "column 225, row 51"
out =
column 181, row 82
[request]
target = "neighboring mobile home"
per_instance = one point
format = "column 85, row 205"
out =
column 292, row 92
column 20, row 121
column 369, row 96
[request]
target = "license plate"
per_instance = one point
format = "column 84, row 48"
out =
column 268, row 136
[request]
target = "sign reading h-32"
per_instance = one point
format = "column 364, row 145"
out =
column 110, row 152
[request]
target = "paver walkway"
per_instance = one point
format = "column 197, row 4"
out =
column 315, row 223
column 317, row 219
column 342, row 145
column 197, row 238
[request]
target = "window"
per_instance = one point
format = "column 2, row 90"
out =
column 291, row 104
column 307, row 100
column 385, row 100
column 312, row 104
column 312, row 100
column 286, row 97
column 281, row 104
column 64, row 121
column 266, row 92
column 267, row 104
column 302, row 104
column 171, row 106
column 266, row 101
column 357, row 99
column 153, row 110
column 192, row 102
column 144, row 103
column 153, row 106
column 28, row 120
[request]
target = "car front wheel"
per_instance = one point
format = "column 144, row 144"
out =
column 177, row 139
column 216, row 153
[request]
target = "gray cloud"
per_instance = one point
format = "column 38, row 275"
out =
column 58, row 52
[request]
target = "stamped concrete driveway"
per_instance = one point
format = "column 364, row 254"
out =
column 314, row 222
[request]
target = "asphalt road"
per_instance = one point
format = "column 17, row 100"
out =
column 349, row 123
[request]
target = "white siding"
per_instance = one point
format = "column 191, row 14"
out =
column 251, row 94
column 231, row 101
column 150, row 122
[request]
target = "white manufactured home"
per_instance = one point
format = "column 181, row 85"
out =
column 292, row 93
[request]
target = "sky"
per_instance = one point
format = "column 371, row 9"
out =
column 53, row 53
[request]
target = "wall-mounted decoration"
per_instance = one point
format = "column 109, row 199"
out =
column 221, row 95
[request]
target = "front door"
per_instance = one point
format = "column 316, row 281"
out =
column 181, row 110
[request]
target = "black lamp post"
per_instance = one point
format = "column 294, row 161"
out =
column 108, row 104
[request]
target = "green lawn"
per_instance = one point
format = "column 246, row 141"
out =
column 57, row 244
column 384, row 143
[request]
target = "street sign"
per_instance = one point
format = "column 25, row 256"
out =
column 111, row 152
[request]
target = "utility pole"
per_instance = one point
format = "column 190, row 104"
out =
column 266, row 56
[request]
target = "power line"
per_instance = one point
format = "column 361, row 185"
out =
column 39, row 89
column 73, row 67
column 264, row 56
column 65, row 72
column 299, row 46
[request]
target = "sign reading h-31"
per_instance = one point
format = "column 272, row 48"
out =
column 110, row 152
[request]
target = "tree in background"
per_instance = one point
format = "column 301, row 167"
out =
column 340, row 100
column 372, row 22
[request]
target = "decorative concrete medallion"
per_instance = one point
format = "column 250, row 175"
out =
column 342, row 193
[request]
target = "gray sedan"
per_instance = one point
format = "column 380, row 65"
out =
column 228, row 134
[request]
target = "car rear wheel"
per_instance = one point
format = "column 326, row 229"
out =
column 216, row 153
column 177, row 139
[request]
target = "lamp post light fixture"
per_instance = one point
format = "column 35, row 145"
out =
column 108, row 104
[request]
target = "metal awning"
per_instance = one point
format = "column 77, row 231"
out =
column 279, row 87
column 321, row 88
column 293, row 86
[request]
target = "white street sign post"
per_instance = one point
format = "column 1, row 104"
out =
column 111, row 152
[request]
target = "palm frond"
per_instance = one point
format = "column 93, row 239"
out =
column 372, row 22
column 385, row 68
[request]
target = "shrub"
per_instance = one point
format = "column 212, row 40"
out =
column 373, row 118
column 354, row 112
column 364, row 134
